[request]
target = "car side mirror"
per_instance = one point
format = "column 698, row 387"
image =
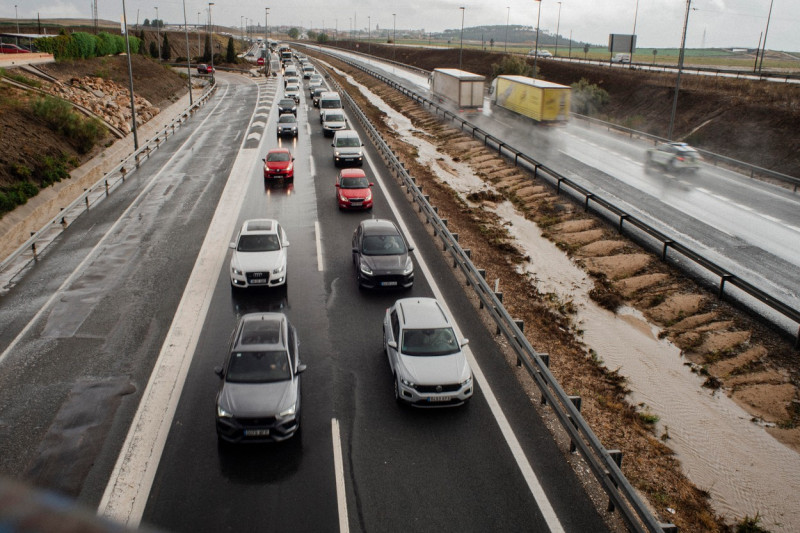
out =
column 464, row 342
column 232, row 245
column 371, row 184
column 286, row 243
column 264, row 160
column 392, row 344
column 362, row 144
column 218, row 371
column 333, row 145
column 293, row 159
column 410, row 248
column 300, row 369
column 355, row 250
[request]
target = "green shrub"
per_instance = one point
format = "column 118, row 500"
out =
column 512, row 65
column 587, row 98
column 80, row 45
column 82, row 132
column 6, row 204
column 85, row 44
column 51, row 170
column 21, row 171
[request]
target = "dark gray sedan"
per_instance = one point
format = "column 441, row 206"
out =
column 381, row 255
column 259, row 400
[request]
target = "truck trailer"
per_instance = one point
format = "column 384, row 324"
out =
column 543, row 101
column 460, row 88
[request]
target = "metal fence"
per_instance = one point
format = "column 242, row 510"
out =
column 625, row 221
column 605, row 464
column 30, row 250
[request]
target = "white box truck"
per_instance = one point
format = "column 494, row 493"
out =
column 460, row 88
column 540, row 100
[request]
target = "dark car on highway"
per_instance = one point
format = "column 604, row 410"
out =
column 381, row 256
column 259, row 399
column 287, row 105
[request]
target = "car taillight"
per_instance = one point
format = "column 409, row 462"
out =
column 680, row 158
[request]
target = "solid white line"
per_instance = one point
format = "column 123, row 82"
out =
column 338, row 467
column 312, row 169
column 95, row 251
column 548, row 513
column 318, row 239
column 129, row 486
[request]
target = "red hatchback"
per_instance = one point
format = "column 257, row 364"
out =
column 353, row 189
column 7, row 48
column 279, row 164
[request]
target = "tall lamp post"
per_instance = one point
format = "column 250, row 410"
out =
column 635, row 16
column 461, row 47
column 508, row 17
column 394, row 37
column 197, row 28
column 266, row 40
column 266, row 23
column 680, row 69
column 536, row 46
column 558, row 26
column 211, row 27
column 369, row 35
column 130, row 77
column 16, row 16
column 188, row 56
column 763, row 45
column 158, row 35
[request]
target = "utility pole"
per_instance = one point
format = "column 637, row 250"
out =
column 461, row 48
column 213, row 74
column 508, row 17
column 680, row 69
column 536, row 47
column 130, row 77
column 188, row 56
column 158, row 35
column 558, row 25
column 764, row 44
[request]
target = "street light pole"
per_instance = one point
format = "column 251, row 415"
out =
column 394, row 37
column 197, row 28
column 211, row 27
column 536, row 46
column 16, row 16
column 461, row 47
column 158, row 35
column 635, row 16
column 558, row 25
column 267, row 30
column 508, row 17
column 764, row 44
column 130, row 77
column 680, row 69
column 369, row 35
column 188, row 56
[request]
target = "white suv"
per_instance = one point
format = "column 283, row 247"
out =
column 347, row 148
column 259, row 254
column 426, row 358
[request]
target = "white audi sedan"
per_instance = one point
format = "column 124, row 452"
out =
column 259, row 254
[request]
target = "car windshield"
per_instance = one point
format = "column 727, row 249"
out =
column 424, row 342
column 316, row 77
column 258, row 243
column 287, row 118
column 278, row 156
column 354, row 183
column 292, row 88
column 286, row 102
column 331, row 117
column 383, row 244
column 259, row 367
column 330, row 104
column 348, row 141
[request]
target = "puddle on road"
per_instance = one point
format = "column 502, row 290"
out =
column 746, row 471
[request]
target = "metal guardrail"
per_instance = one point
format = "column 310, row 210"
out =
column 593, row 201
column 605, row 464
column 102, row 188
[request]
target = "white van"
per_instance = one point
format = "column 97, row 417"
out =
column 329, row 100
column 347, row 148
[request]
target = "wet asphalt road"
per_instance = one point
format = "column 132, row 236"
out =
column 70, row 386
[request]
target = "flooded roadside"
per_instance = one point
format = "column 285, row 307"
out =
column 745, row 470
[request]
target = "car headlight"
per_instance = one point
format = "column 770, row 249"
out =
column 336, row 153
column 409, row 267
column 279, row 269
column 222, row 413
column 290, row 167
column 342, row 197
column 366, row 269
column 407, row 383
column 466, row 381
column 288, row 412
column 369, row 195
column 236, row 271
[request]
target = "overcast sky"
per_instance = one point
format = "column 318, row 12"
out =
column 712, row 23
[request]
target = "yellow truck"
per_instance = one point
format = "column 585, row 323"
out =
column 543, row 101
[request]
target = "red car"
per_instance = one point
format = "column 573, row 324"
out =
column 205, row 69
column 279, row 164
column 7, row 48
column 353, row 189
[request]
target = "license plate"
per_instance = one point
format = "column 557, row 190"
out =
column 440, row 398
column 256, row 433
column 257, row 281
column 388, row 283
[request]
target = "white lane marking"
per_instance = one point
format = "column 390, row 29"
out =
column 318, row 239
column 548, row 513
column 95, row 251
column 308, row 129
column 312, row 169
column 338, row 467
column 129, row 486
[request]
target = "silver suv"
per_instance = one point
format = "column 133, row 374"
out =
column 259, row 399
column 347, row 148
column 425, row 356
column 674, row 156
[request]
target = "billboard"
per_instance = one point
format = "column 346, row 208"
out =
column 618, row 42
